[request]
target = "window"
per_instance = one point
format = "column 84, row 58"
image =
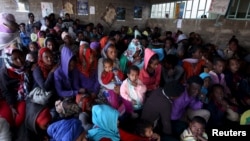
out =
column 188, row 9
column 22, row 5
column 239, row 9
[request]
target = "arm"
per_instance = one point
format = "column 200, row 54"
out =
column 107, row 77
column 123, row 91
column 158, row 75
column 45, row 84
column 120, row 75
column 195, row 104
column 100, row 70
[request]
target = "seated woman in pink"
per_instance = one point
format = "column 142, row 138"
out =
column 150, row 74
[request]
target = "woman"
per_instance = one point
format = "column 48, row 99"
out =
column 109, row 51
column 43, row 74
column 14, row 87
column 87, row 65
column 132, row 56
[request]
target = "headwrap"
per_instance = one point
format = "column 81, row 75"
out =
column 84, row 64
column 45, row 68
column 133, row 46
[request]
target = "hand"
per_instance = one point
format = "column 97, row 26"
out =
column 156, row 136
column 54, row 68
column 134, row 83
column 134, row 102
column 201, row 138
column 81, row 90
column 117, row 89
column 14, row 112
column 170, row 72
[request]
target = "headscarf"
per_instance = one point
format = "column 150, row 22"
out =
column 105, row 119
column 133, row 46
column 84, row 65
column 23, row 88
column 45, row 68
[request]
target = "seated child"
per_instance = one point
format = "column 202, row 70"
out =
column 111, row 74
column 132, row 90
column 145, row 129
column 195, row 131
column 204, row 89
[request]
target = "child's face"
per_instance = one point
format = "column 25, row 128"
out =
column 233, row 46
column 50, row 45
column 196, row 128
column 32, row 47
column 194, row 89
column 197, row 54
column 47, row 58
column 22, row 28
column 168, row 44
column 108, row 67
column 133, row 75
column 72, row 65
column 218, row 94
column 149, row 132
column 206, row 82
column 234, row 65
column 154, row 64
column 219, row 67
column 17, row 59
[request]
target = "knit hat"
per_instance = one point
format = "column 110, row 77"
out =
column 8, row 30
column 8, row 23
column 5, row 134
column 94, row 45
column 173, row 89
column 33, row 37
column 137, row 33
column 204, row 75
column 64, row 34
column 159, row 52
column 245, row 118
column 43, row 119
column 181, row 37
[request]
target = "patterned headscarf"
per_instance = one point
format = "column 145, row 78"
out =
column 23, row 88
column 84, row 64
column 133, row 46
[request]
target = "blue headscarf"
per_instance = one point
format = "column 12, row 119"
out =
column 105, row 119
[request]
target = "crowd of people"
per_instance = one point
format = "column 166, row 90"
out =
column 62, row 80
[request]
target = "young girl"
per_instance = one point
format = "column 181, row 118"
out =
column 145, row 129
column 195, row 131
column 220, row 108
column 204, row 89
column 193, row 66
column 132, row 91
column 237, row 83
column 170, row 47
column 150, row 74
column 217, row 75
column 231, row 49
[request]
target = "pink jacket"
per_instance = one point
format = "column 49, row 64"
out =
column 154, row 81
column 140, row 90
column 222, row 81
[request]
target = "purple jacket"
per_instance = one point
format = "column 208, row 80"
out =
column 66, row 83
column 180, row 105
column 91, row 83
